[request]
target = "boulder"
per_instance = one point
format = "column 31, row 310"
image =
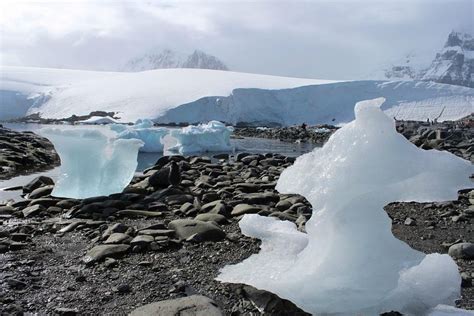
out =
column 195, row 305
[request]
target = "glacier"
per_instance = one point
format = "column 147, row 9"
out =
column 199, row 95
column 349, row 262
column 92, row 163
column 211, row 137
column 152, row 137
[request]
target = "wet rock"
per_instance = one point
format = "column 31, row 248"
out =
column 33, row 210
column 156, row 232
column 202, row 231
column 463, row 250
column 241, row 209
column 102, row 251
column 142, row 241
column 410, row 222
column 63, row 311
column 269, row 303
column 41, row 192
column 210, row 217
column 197, row 305
column 259, row 198
column 115, row 228
column 139, row 213
column 118, row 238
column 37, row 183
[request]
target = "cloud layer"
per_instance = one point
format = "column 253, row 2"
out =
column 320, row 39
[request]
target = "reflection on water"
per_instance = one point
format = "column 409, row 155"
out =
column 146, row 160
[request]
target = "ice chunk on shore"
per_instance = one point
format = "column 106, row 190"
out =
column 92, row 163
column 210, row 137
column 143, row 130
column 349, row 262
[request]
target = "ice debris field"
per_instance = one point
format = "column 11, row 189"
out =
column 94, row 162
column 349, row 251
column 199, row 95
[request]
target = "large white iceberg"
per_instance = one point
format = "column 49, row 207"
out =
column 92, row 163
column 211, row 137
column 349, row 263
column 143, row 130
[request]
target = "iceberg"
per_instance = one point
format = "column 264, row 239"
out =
column 92, row 163
column 348, row 262
column 143, row 130
column 211, row 137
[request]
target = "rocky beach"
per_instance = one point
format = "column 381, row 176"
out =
column 163, row 239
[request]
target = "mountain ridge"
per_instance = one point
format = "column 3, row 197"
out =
column 168, row 58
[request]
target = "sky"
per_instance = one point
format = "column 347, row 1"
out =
column 338, row 39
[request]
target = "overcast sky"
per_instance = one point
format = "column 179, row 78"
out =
column 342, row 39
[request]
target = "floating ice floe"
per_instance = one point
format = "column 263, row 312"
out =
column 152, row 137
column 348, row 262
column 92, row 163
column 211, row 137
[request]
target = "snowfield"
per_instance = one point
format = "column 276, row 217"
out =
column 198, row 95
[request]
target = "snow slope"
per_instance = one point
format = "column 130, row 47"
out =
column 198, row 95
column 329, row 103
column 59, row 93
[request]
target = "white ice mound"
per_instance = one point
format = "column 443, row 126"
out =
column 98, row 120
column 92, row 164
column 211, row 137
column 143, row 130
column 349, row 262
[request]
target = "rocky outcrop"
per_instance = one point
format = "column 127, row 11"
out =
column 24, row 152
column 455, row 63
column 171, row 59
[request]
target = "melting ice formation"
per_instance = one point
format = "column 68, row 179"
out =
column 143, row 130
column 210, row 137
column 349, row 262
column 92, row 164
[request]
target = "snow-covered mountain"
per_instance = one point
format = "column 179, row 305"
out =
column 171, row 59
column 199, row 95
column 455, row 63
column 410, row 67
